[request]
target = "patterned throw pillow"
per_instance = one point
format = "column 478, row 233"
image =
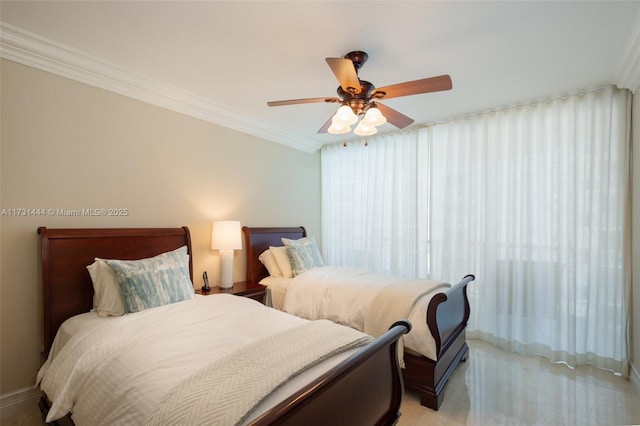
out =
column 155, row 281
column 303, row 253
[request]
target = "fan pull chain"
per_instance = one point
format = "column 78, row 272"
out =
column 366, row 143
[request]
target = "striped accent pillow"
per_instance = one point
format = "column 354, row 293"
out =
column 156, row 281
column 303, row 253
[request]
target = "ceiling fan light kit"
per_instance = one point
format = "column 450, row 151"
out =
column 357, row 97
column 345, row 116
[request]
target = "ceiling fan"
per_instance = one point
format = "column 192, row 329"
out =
column 358, row 98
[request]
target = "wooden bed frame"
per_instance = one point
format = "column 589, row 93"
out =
column 366, row 388
column 447, row 317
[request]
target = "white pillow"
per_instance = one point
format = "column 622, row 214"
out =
column 282, row 260
column 107, row 297
column 269, row 262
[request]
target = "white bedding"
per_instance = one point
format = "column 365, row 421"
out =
column 346, row 295
column 171, row 343
column 276, row 290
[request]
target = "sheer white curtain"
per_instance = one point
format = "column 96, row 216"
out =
column 530, row 199
column 373, row 202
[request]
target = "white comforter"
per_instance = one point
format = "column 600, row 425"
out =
column 99, row 378
column 348, row 296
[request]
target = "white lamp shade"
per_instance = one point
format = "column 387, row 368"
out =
column 374, row 117
column 338, row 128
column 345, row 115
column 225, row 235
column 365, row 130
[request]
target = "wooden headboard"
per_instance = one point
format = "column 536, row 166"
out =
column 66, row 253
column 258, row 240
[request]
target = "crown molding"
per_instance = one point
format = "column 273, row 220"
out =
column 38, row 52
column 628, row 73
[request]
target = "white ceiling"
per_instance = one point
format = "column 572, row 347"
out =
column 233, row 57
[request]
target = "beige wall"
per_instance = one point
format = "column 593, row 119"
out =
column 67, row 145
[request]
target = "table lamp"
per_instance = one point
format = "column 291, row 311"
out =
column 226, row 237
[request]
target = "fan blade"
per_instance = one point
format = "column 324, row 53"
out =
column 426, row 85
column 325, row 126
column 394, row 117
column 302, row 101
column 346, row 74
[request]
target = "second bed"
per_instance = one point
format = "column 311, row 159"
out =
column 369, row 302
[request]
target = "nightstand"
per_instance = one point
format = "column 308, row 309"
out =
column 248, row 289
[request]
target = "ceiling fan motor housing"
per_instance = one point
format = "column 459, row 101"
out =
column 357, row 101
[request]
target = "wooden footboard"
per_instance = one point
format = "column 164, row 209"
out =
column 447, row 318
column 366, row 389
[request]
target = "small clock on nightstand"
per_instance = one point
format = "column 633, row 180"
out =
column 248, row 289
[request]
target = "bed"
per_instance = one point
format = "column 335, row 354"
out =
column 358, row 381
column 444, row 321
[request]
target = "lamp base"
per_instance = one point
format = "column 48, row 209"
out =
column 226, row 269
